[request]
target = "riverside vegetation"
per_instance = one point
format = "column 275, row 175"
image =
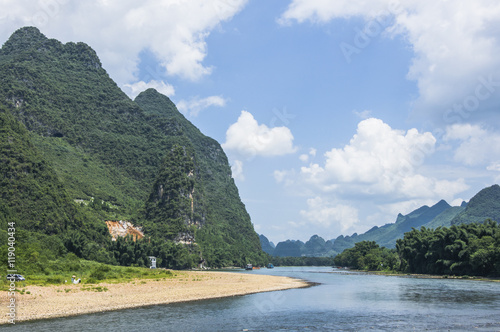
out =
column 463, row 250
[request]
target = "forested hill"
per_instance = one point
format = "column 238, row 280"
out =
column 69, row 134
column 225, row 230
column 97, row 140
column 387, row 234
column 34, row 202
column 484, row 205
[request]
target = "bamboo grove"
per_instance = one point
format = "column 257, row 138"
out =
column 461, row 250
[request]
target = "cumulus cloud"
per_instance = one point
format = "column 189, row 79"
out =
column 175, row 31
column 134, row 89
column 477, row 145
column 304, row 157
column 495, row 166
column 455, row 44
column 381, row 169
column 249, row 138
column 237, row 170
column 280, row 176
column 363, row 115
column 326, row 214
column 380, row 162
column 195, row 105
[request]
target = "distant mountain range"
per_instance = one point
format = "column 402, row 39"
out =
column 484, row 205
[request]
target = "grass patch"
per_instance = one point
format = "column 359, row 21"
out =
column 95, row 289
column 89, row 272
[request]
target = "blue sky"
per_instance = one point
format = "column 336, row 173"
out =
column 335, row 115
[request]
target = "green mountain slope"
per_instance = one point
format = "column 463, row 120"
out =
column 316, row 246
column 30, row 189
column 387, row 235
column 121, row 159
column 96, row 138
column 484, row 205
column 33, row 202
column 221, row 223
column 289, row 248
column 266, row 245
column 444, row 218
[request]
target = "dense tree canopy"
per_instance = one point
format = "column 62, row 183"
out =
column 368, row 255
column 467, row 249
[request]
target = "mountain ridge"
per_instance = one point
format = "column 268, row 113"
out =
column 113, row 156
column 215, row 183
column 484, row 205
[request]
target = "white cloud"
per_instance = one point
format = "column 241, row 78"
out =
column 389, row 211
column 195, row 105
column 378, row 158
column 175, row 31
column 132, row 90
column 341, row 217
column 477, row 145
column 237, row 170
column 381, row 163
column 455, row 44
column 280, row 176
column 494, row 167
column 250, row 139
column 457, row 202
column 381, row 169
column 363, row 115
column 285, row 177
column 320, row 11
column 305, row 156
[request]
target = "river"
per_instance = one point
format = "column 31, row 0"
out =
column 343, row 301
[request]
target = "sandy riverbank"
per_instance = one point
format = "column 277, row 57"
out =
column 68, row 300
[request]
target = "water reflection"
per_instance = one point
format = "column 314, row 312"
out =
column 446, row 292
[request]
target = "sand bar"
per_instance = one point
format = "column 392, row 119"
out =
column 68, row 300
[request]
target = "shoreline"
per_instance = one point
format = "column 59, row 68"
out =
column 427, row 276
column 47, row 302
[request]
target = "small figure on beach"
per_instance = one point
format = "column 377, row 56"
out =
column 74, row 280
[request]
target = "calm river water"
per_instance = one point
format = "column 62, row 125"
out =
column 342, row 302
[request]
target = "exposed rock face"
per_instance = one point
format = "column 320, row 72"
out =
column 185, row 238
column 123, row 228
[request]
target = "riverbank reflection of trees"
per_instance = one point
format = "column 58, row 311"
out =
column 466, row 249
